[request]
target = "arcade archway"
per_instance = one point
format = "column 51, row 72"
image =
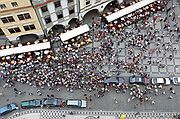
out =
column 58, row 28
column 90, row 16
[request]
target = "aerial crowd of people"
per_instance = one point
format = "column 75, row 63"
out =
column 80, row 68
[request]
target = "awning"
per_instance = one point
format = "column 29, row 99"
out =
column 27, row 48
column 75, row 32
column 128, row 10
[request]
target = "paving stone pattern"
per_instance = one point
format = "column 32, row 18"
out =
column 171, row 67
column 65, row 114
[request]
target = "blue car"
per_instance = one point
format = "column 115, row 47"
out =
column 53, row 102
column 8, row 108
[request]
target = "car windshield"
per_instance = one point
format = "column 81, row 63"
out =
column 38, row 102
column 79, row 103
column 165, row 81
column 175, row 80
column 133, row 79
column 120, row 80
column 9, row 107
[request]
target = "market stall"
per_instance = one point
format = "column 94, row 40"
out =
column 77, row 37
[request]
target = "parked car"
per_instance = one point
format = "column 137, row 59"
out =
column 138, row 80
column 8, row 108
column 53, row 102
column 175, row 80
column 76, row 103
column 159, row 81
column 31, row 103
column 114, row 80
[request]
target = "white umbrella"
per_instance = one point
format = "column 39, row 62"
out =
column 20, row 56
column 37, row 53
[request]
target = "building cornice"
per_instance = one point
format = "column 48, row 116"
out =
column 4, row 11
column 92, row 7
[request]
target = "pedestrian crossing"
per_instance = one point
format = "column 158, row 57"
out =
column 129, row 115
column 62, row 114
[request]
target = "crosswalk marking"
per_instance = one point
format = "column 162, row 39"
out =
column 59, row 114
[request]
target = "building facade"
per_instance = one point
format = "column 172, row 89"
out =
column 18, row 19
column 55, row 13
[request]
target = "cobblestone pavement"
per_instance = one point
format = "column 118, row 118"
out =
column 172, row 67
column 78, row 114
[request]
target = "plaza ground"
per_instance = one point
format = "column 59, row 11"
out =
column 106, row 103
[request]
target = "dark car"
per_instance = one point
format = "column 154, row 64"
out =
column 138, row 80
column 114, row 80
column 31, row 103
column 8, row 108
column 53, row 102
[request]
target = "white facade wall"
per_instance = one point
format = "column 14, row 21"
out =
column 51, row 10
column 64, row 5
column 41, row 16
column 80, row 9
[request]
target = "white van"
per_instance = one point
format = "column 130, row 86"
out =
column 76, row 103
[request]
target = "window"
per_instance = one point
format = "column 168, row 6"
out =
column 14, row 4
column 59, row 15
column 24, row 16
column 11, row 19
column 27, row 16
column 57, row 4
column 14, row 30
column 7, row 19
column 47, row 19
column 3, row 6
column 88, row 2
column 44, row 9
column 71, row 10
column 4, row 20
column 29, row 27
column 69, row 1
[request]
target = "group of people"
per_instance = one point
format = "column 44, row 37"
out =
column 80, row 68
column 133, row 17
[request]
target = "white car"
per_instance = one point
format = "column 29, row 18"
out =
column 159, row 81
column 175, row 80
column 76, row 103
